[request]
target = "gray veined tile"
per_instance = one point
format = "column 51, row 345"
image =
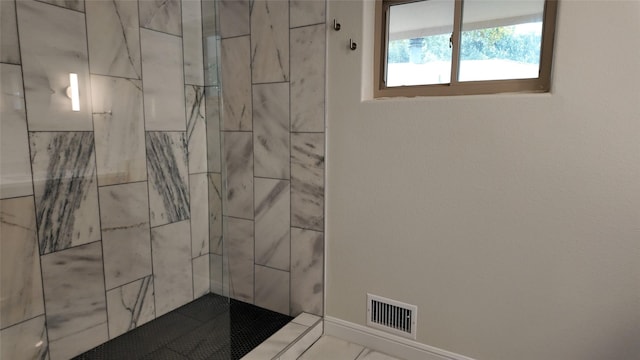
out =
column 306, row 12
column 307, row 78
column 272, row 210
column 163, row 81
column 237, row 171
column 238, row 241
column 173, row 274
column 53, row 44
column 161, row 15
column 328, row 347
column 234, row 17
column 198, row 191
column 9, row 48
column 276, row 342
column 236, row 92
column 114, row 38
column 130, row 306
column 271, row 130
column 192, row 42
column 307, row 180
column 124, row 212
column 119, row 130
column 200, row 276
column 27, row 340
column 303, row 343
column 215, row 213
column 269, row 41
column 215, row 274
column 196, row 129
column 15, row 169
column 65, row 187
column 212, row 108
column 77, row 5
column 211, row 44
column 21, row 284
column 307, row 269
column 272, row 289
column 168, row 188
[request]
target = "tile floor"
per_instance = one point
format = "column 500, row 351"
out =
column 331, row 348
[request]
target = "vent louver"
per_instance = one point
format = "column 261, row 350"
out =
column 391, row 316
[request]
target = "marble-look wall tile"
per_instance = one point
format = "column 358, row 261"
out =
column 65, row 189
column 272, row 210
column 272, row 289
column 74, row 296
column 307, row 78
column 238, row 241
column 307, row 180
column 21, row 285
column 236, row 92
column 212, row 109
column 211, row 50
column 306, row 12
column 77, row 5
column 271, row 130
column 161, row 15
column 168, row 189
column 114, row 38
column 27, row 340
column 124, row 213
column 9, row 48
column 196, row 129
column 130, row 306
column 215, row 274
column 215, row 213
column 173, row 275
column 307, row 269
column 234, row 18
column 15, row 168
column 163, row 83
column 200, row 276
column 198, row 191
column 238, row 174
column 53, row 44
column 269, row 41
column 192, row 42
column 119, row 129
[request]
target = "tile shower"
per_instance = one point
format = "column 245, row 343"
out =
column 165, row 185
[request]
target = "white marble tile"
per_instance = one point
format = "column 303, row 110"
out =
column 200, row 276
column 369, row 354
column 269, row 41
column 238, row 174
column 215, row 274
column 192, row 42
column 236, row 92
column 198, row 191
column 163, row 81
column 215, row 213
column 130, row 306
column 271, row 130
column 27, row 340
column 212, row 108
column 21, row 285
column 211, row 44
column 168, row 177
column 15, row 168
column 114, row 38
column 276, row 342
column 329, row 347
column 196, row 129
column 9, row 47
column 306, row 319
column 234, row 17
column 66, row 194
column 119, row 130
column 306, row 12
column 74, row 296
column 272, row 289
column 161, row 15
column 238, row 242
column 53, row 44
column 273, row 214
column 124, row 213
column 307, row 181
column 77, row 5
column 172, row 271
column 307, row 78
column 303, row 343
column 307, row 271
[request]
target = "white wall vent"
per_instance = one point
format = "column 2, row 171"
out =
column 392, row 316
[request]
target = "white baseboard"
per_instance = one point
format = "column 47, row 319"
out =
column 386, row 343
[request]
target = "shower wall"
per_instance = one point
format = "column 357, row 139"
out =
column 104, row 211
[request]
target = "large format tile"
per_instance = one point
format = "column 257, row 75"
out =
column 276, row 342
column 27, row 340
column 192, row 42
column 234, row 18
column 307, row 181
column 163, row 81
column 124, row 213
column 168, row 189
column 130, row 306
column 238, row 240
column 269, row 41
column 272, row 210
column 212, row 109
column 200, row 276
column 329, row 347
column 304, row 342
column 198, row 191
column 114, row 38
column 161, row 15
column 236, row 92
column 66, row 194
column 271, row 130
column 307, row 78
column 215, row 213
column 21, row 285
column 238, row 174
column 15, row 168
column 215, row 274
column 9, row 47
column 173, row 275
column 196, row 129
column 306, row 12
column 119, row 130
column 53, row 44
column 77, row 5
column 307, row 270
column 272, row 289
column 74, row 296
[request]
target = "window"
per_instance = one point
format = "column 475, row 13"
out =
column 458, row 47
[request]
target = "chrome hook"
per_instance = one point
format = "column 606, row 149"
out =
column 352, row 45
column 336, row 25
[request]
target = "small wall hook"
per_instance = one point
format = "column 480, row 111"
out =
column 336, row 25
column 352, row 45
